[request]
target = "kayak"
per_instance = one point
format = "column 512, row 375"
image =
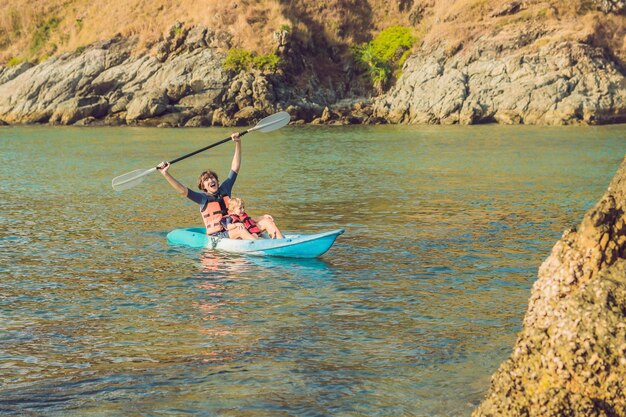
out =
column 292, row 246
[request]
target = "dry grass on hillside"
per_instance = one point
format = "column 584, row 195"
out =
column 458, row 23
column 81, row 22
column 34, row 29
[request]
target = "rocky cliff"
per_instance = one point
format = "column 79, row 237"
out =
column 183, row 84
column 520, row 62
column 104, row 84
column 563, row 83
column 570, row 358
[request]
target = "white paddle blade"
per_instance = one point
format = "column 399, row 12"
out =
column 130, row 179
column 273, row 122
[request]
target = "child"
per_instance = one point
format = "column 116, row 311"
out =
column 237, row 215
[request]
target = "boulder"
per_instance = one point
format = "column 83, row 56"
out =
column 146, row 106
column 220, row 118
column 327, row 115
column 79, row 108
column 87, row 121
column 115, row 119
column 253, row 89
column 570, row 357
column 200, row 121
column 247, row 116
column 177, row 90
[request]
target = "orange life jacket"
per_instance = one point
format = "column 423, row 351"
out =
column 212, row 214
column 247, row 222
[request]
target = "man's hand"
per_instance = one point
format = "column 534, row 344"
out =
column 163, row 167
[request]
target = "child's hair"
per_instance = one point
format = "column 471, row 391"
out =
column 205, row 176
column 234, row 202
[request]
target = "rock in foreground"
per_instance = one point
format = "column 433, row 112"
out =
column 570, row 358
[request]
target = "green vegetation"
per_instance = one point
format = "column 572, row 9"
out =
column 177, row 30
column 238, row 60
column 385, row 54
column 269, row 62
column 16, row 60
column 41, row 36
column 393, row 44
column 45, row 57
column 241, row 60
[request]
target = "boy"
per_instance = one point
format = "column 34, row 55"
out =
column 237, row 216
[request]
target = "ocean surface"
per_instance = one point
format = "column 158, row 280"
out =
column 408, row 314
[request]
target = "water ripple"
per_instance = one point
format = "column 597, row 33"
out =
column 408, row 314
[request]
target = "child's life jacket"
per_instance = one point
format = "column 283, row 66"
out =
column 247, row 221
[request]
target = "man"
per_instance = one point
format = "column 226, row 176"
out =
column 213, row 201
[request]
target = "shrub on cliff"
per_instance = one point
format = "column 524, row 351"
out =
column 14, row 61
column 383, row 57
column 268, row 62
column 241, row 60
column 238, row 60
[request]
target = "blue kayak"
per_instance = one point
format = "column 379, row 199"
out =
column 292, row 246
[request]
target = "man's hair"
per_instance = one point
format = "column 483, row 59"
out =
column 205, row 176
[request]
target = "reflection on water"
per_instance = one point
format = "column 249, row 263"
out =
column 409, row 313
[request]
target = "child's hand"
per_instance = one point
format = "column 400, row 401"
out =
column 239, row 226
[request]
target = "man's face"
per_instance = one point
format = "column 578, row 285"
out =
column 211, row 185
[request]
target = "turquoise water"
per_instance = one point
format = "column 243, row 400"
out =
column 409, row 313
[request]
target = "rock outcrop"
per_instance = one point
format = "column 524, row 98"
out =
column 566, row 83
column 105, row 80
column 570, row 358
column 504, row 78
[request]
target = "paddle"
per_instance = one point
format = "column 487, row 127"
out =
column 133, row 178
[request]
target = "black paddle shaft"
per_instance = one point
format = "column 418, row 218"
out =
column 205, row 148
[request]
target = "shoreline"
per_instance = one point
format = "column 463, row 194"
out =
column 566, row 83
